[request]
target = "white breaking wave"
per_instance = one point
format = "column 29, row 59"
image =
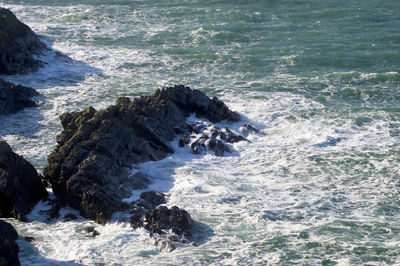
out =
column 318, row 185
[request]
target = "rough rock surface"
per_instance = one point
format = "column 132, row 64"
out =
column 8, row 248
column 207, row 137
column 167, row 225
column 148, row 202
column 89, row 169
column 18, row 45
column 14, row 98
column 162, row 219
column 20, row 185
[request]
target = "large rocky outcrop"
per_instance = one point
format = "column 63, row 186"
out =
column 14, row 98
column 8, row 248
column 20, row 185
column 89, row 169
column 18, row 45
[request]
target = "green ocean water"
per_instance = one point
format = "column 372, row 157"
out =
column 320, row 78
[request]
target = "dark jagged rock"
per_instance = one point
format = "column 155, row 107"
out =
column 200, row 145
column 14, row 98
column 155, row 198
column 167, row 226
column 70, row 217
column 20, row 185
column 8, row 248
column 211, row 138
column 247, row 129
column 159, row 220
column 89, row 168
column 88, row 230
column 148, row 201
column 162, row 219
column 29, row 239
column 18, row 45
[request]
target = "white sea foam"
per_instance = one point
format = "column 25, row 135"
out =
column 321, row 183
column 270, row 191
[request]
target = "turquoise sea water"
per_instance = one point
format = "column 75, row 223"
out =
column 320, row 78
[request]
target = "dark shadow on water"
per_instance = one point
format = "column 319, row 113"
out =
column 23, row 123
column 58, row 70
column 201, row 233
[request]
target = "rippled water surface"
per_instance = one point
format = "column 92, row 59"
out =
column 320, row 78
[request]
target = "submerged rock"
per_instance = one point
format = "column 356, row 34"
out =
column 8, row 248
column 18, row 45
column 89, row 169
column 14, row 98
column 20, row 185
column 90, row 231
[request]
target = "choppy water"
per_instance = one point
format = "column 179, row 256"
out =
column 320, row 78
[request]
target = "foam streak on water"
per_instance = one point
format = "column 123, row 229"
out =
column 321, row 80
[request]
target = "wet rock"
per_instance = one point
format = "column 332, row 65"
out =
column 14, row 98
column 162, row 219
column 167, row 226
column 248, row 129
column 148, row 201
column 18, row 45
column 138, row 180
column 200, row 145
column 136, row 220
column 220, row 148
column 29, row 239
column 208, row 138
column 20, row 185
column 88, row 169
column 70, row 217
column 89, row 231
column 155, row 198
column 197, row 129
column 184, row 140
column 164, row 245
column 8, row 248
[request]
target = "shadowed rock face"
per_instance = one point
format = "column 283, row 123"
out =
column 89, row 169
column 20, row 185
column 14, row 98
column 8, row 248
column 18, row 45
